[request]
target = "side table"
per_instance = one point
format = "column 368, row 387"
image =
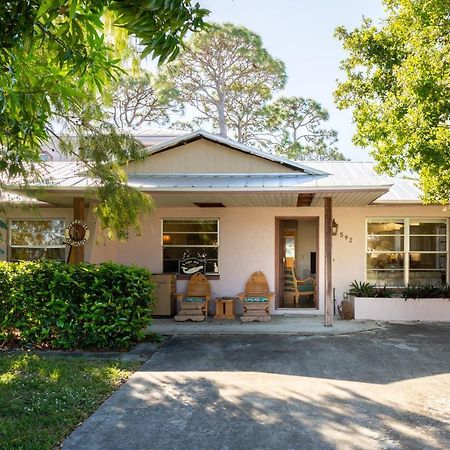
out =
column 224, row 308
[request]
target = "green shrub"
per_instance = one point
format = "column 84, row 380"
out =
column 425, row 291
column 53, row 304
column 364, row 289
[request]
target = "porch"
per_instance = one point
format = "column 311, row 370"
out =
column 289, row 325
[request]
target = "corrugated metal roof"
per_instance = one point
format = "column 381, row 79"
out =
column 331, row 176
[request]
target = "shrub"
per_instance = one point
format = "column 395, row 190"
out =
column 53, row 304
column 425, row 291
column 364, row 289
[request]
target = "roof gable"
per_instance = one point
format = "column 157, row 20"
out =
column 201, row 152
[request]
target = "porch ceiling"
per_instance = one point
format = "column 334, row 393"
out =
column 229, row 199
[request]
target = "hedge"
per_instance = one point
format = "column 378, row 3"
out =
column 57, row 305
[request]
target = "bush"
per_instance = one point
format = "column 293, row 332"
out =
column 364, row 289
column 46, row 303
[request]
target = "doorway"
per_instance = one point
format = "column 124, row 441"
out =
column 297, row 262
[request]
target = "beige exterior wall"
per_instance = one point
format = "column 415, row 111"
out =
column 247, row 242
column 204, row 156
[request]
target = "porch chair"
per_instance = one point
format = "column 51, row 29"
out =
column 256, row 299
column 194, row 302
column 299, row 287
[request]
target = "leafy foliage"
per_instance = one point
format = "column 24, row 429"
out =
column 364, row 289
column 398, row 85
column 56, row 56
column 426, row 291
column 227, row 75
column 296, row 124
column 53, row 304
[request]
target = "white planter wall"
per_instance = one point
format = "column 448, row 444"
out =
column 395, row 308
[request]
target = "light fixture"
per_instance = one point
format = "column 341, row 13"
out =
column 166, row 239
column 334, row 228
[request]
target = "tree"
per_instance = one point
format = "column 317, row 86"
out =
column 398, row 85
column 296, row 124
column 55, row 56
column 227, row 75
column 137, row 100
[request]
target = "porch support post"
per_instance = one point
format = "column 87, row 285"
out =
column 328, row 308
column 77, row 253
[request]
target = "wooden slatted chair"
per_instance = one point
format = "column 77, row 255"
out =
column 194, row 302
column 299, row 287
column 256, row 299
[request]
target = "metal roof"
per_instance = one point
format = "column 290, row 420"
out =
column 351, row 179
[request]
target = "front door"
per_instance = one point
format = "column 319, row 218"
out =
column 297, row 263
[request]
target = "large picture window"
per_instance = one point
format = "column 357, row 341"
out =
column 406, row 251
column 182, row 239
column 31, row 239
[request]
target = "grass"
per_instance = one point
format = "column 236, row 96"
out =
column 42, row 399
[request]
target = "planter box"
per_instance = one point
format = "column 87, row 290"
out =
column 395, row 308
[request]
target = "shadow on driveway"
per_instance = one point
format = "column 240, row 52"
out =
column 383, row 390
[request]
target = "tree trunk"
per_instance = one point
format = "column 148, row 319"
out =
column 221, row 112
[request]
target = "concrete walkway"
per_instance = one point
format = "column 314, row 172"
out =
column 386, row 389
column 303, row 325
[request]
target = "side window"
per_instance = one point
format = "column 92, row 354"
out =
column 31, row 239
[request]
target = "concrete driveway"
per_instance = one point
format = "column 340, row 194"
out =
column 387, row 389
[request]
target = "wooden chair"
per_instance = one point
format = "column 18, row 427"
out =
column 194, row 302
column 299, row 288
column 256, row 299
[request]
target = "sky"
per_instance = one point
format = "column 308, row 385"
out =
column 300, row 33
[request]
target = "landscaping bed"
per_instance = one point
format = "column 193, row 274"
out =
column 42, row 399
column 426, row 303
column 397, row 308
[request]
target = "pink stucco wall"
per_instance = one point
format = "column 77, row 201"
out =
column 247, row 242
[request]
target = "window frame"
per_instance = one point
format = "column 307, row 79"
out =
column 33, row 219
column 407, row 244
column 191, row 219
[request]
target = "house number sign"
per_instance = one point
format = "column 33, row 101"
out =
column 348, row 238
column 76, row 233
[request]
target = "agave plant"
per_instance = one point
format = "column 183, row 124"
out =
column 362, row 289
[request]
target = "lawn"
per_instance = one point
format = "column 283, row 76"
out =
column 42, row 399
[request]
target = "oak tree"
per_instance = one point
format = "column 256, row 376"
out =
column 55, row 57
column 398, row 86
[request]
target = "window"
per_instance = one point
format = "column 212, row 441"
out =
column 406, row 251
column 31, row 239
column 183, row 239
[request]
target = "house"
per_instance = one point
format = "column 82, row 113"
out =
column 239, row 210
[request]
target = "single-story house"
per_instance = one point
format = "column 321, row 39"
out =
column 241, row 210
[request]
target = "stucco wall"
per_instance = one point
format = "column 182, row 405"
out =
column 247, row 242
